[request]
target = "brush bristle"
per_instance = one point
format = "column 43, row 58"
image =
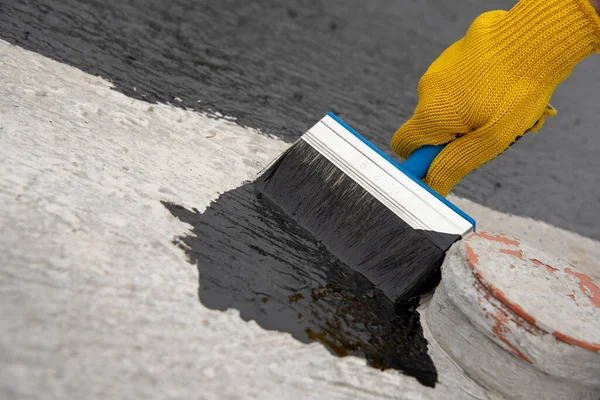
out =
column 355, row 226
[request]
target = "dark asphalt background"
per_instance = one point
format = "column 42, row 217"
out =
column 280, row 65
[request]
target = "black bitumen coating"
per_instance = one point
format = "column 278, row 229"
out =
column 254, row 258
column 280, row 66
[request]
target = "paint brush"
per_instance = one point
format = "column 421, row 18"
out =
column 372, row 213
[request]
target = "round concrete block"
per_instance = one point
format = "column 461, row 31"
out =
column 520, row 321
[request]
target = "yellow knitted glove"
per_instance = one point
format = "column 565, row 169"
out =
column 493, row 85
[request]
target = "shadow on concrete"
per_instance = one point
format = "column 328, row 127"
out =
column 254, row 258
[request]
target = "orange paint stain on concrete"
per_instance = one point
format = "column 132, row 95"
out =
column 487, row 291
column 482, row 291
column 484, row 300
column 500, row 319
column 587, row 286
column 500, row 329
column 497, row 238
column 514, row 307
column 494, row 291
column 471, row 256
column 580, row 343
column 550, row 269
column 514, row 253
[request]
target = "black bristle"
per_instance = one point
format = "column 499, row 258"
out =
column 355, row 226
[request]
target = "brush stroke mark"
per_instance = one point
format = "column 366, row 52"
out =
column 280, row 66
column 252, row 257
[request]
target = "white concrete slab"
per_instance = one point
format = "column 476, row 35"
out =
column 96, row 300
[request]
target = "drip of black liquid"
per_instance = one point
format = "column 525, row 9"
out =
column 254, row 258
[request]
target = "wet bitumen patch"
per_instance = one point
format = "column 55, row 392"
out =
column 254, row 258
column 280, row 66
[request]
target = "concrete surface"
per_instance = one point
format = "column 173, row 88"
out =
column 580, row 250
column 279, row 66
column 98, row 302
column 524, row 322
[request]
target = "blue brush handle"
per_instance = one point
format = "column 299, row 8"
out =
column 420, row 160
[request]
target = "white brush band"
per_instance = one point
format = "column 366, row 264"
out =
column 406, row 198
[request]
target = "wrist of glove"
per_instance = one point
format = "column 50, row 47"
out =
column 493, row 85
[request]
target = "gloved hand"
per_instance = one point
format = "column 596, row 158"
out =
column 493, row 85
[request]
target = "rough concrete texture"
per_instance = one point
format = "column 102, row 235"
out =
column 524, row 322
column 582, row 251
column 550, row 293
column 490, row 365
column 97, row 300
column 279, row 66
